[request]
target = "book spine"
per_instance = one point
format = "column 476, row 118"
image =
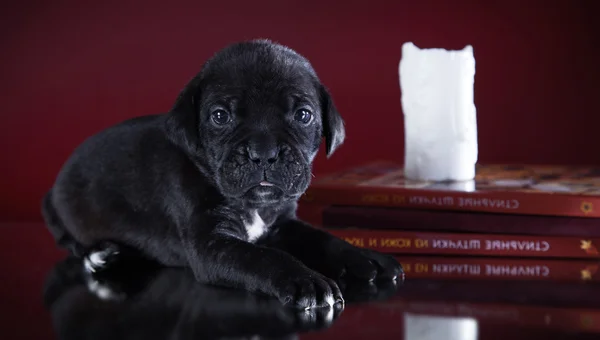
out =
column 408, row 242
column 434, row 267
column 457, row 221
column 498, row 202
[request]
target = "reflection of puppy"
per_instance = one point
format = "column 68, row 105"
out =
column 167, row 304
column 213, row 184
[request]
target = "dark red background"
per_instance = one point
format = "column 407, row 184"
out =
column 71, row 68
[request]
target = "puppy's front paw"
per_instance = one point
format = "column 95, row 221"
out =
column 309, row 289
column 101, row 257
column 363, row 264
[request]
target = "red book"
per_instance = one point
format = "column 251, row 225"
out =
column 457, row 221
column 507, row 189
column 490, row 268
column 434, row 243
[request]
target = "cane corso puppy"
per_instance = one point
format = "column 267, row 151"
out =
column 213, row 184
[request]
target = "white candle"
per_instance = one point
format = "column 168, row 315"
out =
column 440, row 122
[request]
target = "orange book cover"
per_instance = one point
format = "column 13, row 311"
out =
column 470, row 244
column 508, row 189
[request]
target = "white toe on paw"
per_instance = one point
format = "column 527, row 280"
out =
column 88, row 265
column 97, row 259
column 329, row 316
column 100, row 257
column 103, row 292
column 329, row 299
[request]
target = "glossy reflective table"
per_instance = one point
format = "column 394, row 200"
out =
column 44, row 295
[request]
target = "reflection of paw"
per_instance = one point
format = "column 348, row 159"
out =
column 98, row 260
column 318, row 318
column 104, row 291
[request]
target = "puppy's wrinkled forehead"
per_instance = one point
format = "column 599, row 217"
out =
column 260, row 73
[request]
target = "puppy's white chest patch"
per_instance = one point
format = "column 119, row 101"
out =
column 255, row 227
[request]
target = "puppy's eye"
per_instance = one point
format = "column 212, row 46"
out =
column 303, row 116
column 220, row 117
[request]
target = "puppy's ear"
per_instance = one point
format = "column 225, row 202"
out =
column 187, row 99
column 183, row 121
column 333, row 124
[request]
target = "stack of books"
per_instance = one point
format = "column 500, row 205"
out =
column 511, row 221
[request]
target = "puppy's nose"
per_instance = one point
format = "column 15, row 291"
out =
column 263, row 156
column 263, row 152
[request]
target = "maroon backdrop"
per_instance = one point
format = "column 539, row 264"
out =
column 70, row 68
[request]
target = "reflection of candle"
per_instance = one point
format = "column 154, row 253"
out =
column 463, row 186
column 425, row 327
column 440, row 122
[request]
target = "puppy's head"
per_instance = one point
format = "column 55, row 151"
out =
column 254, row 118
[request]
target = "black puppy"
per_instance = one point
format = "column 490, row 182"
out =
column 213, row 184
